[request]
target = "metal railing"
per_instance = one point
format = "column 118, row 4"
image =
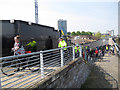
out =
column 117, row 47
column 22, row 71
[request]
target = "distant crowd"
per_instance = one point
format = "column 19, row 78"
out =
column 93, row 54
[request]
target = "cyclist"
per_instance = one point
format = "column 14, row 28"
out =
column 31, row 46
column 18, row 47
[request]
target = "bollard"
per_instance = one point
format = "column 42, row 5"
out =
column 80, row 51
column 41, row 64
column 62, row 58
column 73, row 52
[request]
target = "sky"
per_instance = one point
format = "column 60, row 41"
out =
column 81, row 15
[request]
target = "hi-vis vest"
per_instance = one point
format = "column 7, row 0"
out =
column 77, row 49
column 32, row 44
column 106, row 47
column 62, row 44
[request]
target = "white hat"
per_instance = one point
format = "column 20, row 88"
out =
column 77, row 45
column 61, row 37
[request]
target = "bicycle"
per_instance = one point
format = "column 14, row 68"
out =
column 10, row 67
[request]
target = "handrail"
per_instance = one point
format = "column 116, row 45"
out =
column 42, row 62
column 116, row 46
column 28, row 54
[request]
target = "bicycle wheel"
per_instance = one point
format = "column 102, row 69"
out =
column 9, row 67
column 33, row 64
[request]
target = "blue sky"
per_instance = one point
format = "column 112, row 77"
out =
column 92, row 16
column 87, row 15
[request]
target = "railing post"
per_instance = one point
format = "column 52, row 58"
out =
column 85, row 54
column 0, row 76
column 62, row 57
column 41, row 64
column 80, row 51
column 73, row 52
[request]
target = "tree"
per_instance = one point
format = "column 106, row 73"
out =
column 73, row 33
column 103, row 36
column 68, row 33
column 90, row 33
column 83, row 33
column 98, row 34
column 78, row 33
column 86, row 33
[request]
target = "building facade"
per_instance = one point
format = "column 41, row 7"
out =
column 62, row 25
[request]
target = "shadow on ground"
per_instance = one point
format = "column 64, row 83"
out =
column 98, row 78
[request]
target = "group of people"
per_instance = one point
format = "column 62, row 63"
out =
column 31, row 46
column 19, row 49
column 87, row 52
column 96, row 53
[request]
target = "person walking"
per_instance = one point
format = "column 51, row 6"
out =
column 96, row 53
column 62, row 43
column 91, row 55
column 77, row 50
column 107, row 48
column 113, row 51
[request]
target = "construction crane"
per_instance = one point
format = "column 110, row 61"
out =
column 36, row 11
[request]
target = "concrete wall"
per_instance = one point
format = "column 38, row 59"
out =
column 72, row 75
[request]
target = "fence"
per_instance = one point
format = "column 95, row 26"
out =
column 23, row 70
column 117, row 47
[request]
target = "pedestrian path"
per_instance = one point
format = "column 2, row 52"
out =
column 104, row 73
column 110, row 65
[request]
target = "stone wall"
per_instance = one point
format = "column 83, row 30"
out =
column 72, row 75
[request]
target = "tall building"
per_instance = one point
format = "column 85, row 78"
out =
column 62, row 25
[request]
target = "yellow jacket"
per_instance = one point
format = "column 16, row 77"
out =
column 77, row 49
column 62, row 44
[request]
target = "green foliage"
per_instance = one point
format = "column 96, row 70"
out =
column 98, row 34
column 78, row 33
column 90, row 33
column 81, row 33
column 103, row 36
column 93, row 34
column 68, row 33
column 73, row 33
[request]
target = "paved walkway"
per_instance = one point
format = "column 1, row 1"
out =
column 104, row 74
